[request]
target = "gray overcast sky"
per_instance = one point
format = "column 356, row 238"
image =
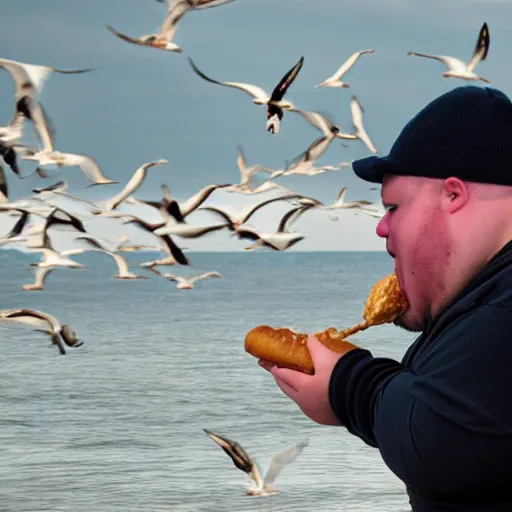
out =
column 142, row 104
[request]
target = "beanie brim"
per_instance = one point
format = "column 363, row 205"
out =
column 372, row 168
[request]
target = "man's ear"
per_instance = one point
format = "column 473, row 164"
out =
column 455, row 194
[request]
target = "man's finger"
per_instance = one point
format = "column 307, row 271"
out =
column 266, row 365
column 318, row 350
column 291, row 378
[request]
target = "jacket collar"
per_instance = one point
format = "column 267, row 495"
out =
column 470, row 297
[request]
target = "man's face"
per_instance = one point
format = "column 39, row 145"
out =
column 417, row 238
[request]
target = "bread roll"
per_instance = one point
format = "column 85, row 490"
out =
column 288, row 349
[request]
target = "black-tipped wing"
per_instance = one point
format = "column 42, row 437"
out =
column 176, row 252
column 72, row 71
column 202, row 75
column 286, row 81
column 238, row 455
column 481, row 47
column 290, row 217
column 126, row 38
column 4, row 189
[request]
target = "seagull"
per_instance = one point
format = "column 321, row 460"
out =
column 305, row 168
column 264, row 485
column 329, row 130
column 282, row 239
column 97, row 243
column 170, row 209
column 459, row 69
column 234, row 222
column 185, row 283
column 61, row 334
column 133, row 184
column 122, row 267
column 59, row 189
column 246, row 185
column 28, row 81
column 357, row 120
column 335, row 80
column 340, row 202
column 87, row 164
column 275, row 103
column 174, row 253
column 52, row 258
column 307, row 158
column 185, row 230
column 372, row 212
column 163, row 39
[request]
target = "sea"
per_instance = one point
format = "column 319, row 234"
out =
column 116, row 425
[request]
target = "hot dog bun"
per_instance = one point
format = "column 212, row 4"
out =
column 287, row 349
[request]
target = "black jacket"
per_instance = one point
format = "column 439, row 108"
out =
column 442, row 418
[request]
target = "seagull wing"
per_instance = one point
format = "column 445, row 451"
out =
column 220, row 212
column 481, row 48
column 290, row 217
column 282, row 459
column 25, row 76
column 451, row 63
column 357, row 119
column 133, row 183
column 242, row 166
column 255, row 91
column 89, row 167
column 4, row 189
column 31, row 317
column 206, row 4
column 341, row 195
column 253, row 209
column 193, row 202
column 281, row 88
column 122, row 266
column 206, row 275
column 319, row 121
column 41, row 274
column 175, row 12
column 128, row 39
column 347, row 65
column 34, row 111
column 239, row 457
column 315, row 151
column 72, row 71
column 174, row 250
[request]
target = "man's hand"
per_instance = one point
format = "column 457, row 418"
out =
column 310, row 392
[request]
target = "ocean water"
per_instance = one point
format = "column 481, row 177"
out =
column 116, row 425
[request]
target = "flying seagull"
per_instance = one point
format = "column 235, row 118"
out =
column 275, row 102
column 459, row 69
column 335, row 80
column 61, row 334
column 264, row 485
column 185, row 283
column 163, row 39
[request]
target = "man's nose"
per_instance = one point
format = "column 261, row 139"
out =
column 383, row 227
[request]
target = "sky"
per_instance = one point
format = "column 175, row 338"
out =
column 142, row 104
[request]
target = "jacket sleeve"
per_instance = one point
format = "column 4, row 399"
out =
column 446, row 427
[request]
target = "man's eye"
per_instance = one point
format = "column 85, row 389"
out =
column 390, row 208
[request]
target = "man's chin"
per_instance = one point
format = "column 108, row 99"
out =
column 409, row 323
